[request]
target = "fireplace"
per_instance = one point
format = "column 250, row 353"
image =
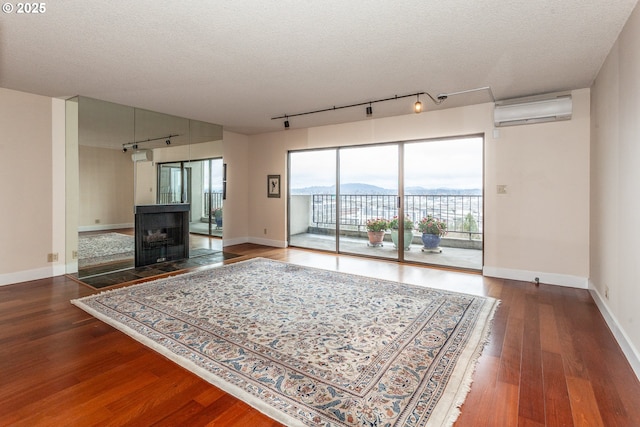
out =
column 162, row 233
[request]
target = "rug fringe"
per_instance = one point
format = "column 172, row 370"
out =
column 467, row 381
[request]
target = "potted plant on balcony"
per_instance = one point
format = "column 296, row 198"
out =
column 217, row 214
column 408, row 231
column 432, row 230
column 375, row 230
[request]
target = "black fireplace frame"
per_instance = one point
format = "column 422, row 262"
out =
column 161, row 233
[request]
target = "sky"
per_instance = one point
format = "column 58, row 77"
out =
column 448, row 163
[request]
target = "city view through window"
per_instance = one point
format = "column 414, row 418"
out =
column 441, row 178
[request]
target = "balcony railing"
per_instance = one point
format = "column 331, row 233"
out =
column 211, row 201
column 462, row 213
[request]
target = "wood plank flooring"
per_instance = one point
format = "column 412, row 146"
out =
column 551, row 360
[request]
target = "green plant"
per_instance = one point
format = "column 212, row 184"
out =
column 394, row 223
column 470, row 224
column 378, row 224
column 217, row 212
column 431, row 225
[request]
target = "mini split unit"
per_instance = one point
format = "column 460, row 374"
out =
column 142, row 156
column 534, row 109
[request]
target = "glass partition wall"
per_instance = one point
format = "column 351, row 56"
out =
column 119, row 157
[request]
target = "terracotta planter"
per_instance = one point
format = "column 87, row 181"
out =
column 375, row 238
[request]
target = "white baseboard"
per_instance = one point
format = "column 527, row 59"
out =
column 255, row 240
column 103, row 227
column 629, row 350
column 268, row 242
column 529, row 276
column 236, row 241
column 29, row 275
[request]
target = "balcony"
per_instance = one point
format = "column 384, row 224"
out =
column 313, row 225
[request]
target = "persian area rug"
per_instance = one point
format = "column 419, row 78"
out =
column 96, row 249
column 311, row 347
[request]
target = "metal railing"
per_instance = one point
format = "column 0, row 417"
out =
column 462, row 213
column 211, row 201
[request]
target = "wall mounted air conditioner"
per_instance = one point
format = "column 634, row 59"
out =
column 142, row 156
column 534, row 109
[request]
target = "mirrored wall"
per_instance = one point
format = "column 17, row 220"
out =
column 119, row 157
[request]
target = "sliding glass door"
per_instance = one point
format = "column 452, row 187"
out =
column 368, row 199
column 443, row 181
column 199, row 183
column 173, row 183
column 392, row 189
column 207, row 197
column 312, row 199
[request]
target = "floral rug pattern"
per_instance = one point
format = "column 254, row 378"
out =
column 309, row 346
column 106, row 247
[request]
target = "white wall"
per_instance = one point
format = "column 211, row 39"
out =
column 145, row 183
column 615, row 179
column 540, row 228
column 27, row 175
column 545, row 166
column 236, row 206
column 106, row 189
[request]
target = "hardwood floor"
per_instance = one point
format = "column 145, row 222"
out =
column 551, row 360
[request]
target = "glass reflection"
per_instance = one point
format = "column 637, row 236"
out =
column 116, row 158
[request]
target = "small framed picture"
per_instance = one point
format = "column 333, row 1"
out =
column 273, row 186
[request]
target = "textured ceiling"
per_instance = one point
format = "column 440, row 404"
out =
column 239, row 63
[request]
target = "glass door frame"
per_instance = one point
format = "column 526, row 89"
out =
column 185, row 179
column 210, row 192
column 339, row 205
column 400, row 203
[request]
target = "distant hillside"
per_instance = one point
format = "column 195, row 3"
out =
column 361, row 189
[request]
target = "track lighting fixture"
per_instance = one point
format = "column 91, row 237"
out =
column 417, row 107
column 134, row 144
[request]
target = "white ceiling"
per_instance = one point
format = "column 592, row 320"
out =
column 239, row 63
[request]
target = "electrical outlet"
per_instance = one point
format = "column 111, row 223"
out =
column 606, row 292
column 501, row 189
column 97, row 221
column 52, row 257
column 74, row 254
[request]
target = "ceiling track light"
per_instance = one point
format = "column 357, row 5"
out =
column 134, row 144
column 417, row 106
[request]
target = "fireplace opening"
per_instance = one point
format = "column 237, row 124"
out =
column 161, row 233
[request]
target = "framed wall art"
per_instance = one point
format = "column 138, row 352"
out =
column 273, row 186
